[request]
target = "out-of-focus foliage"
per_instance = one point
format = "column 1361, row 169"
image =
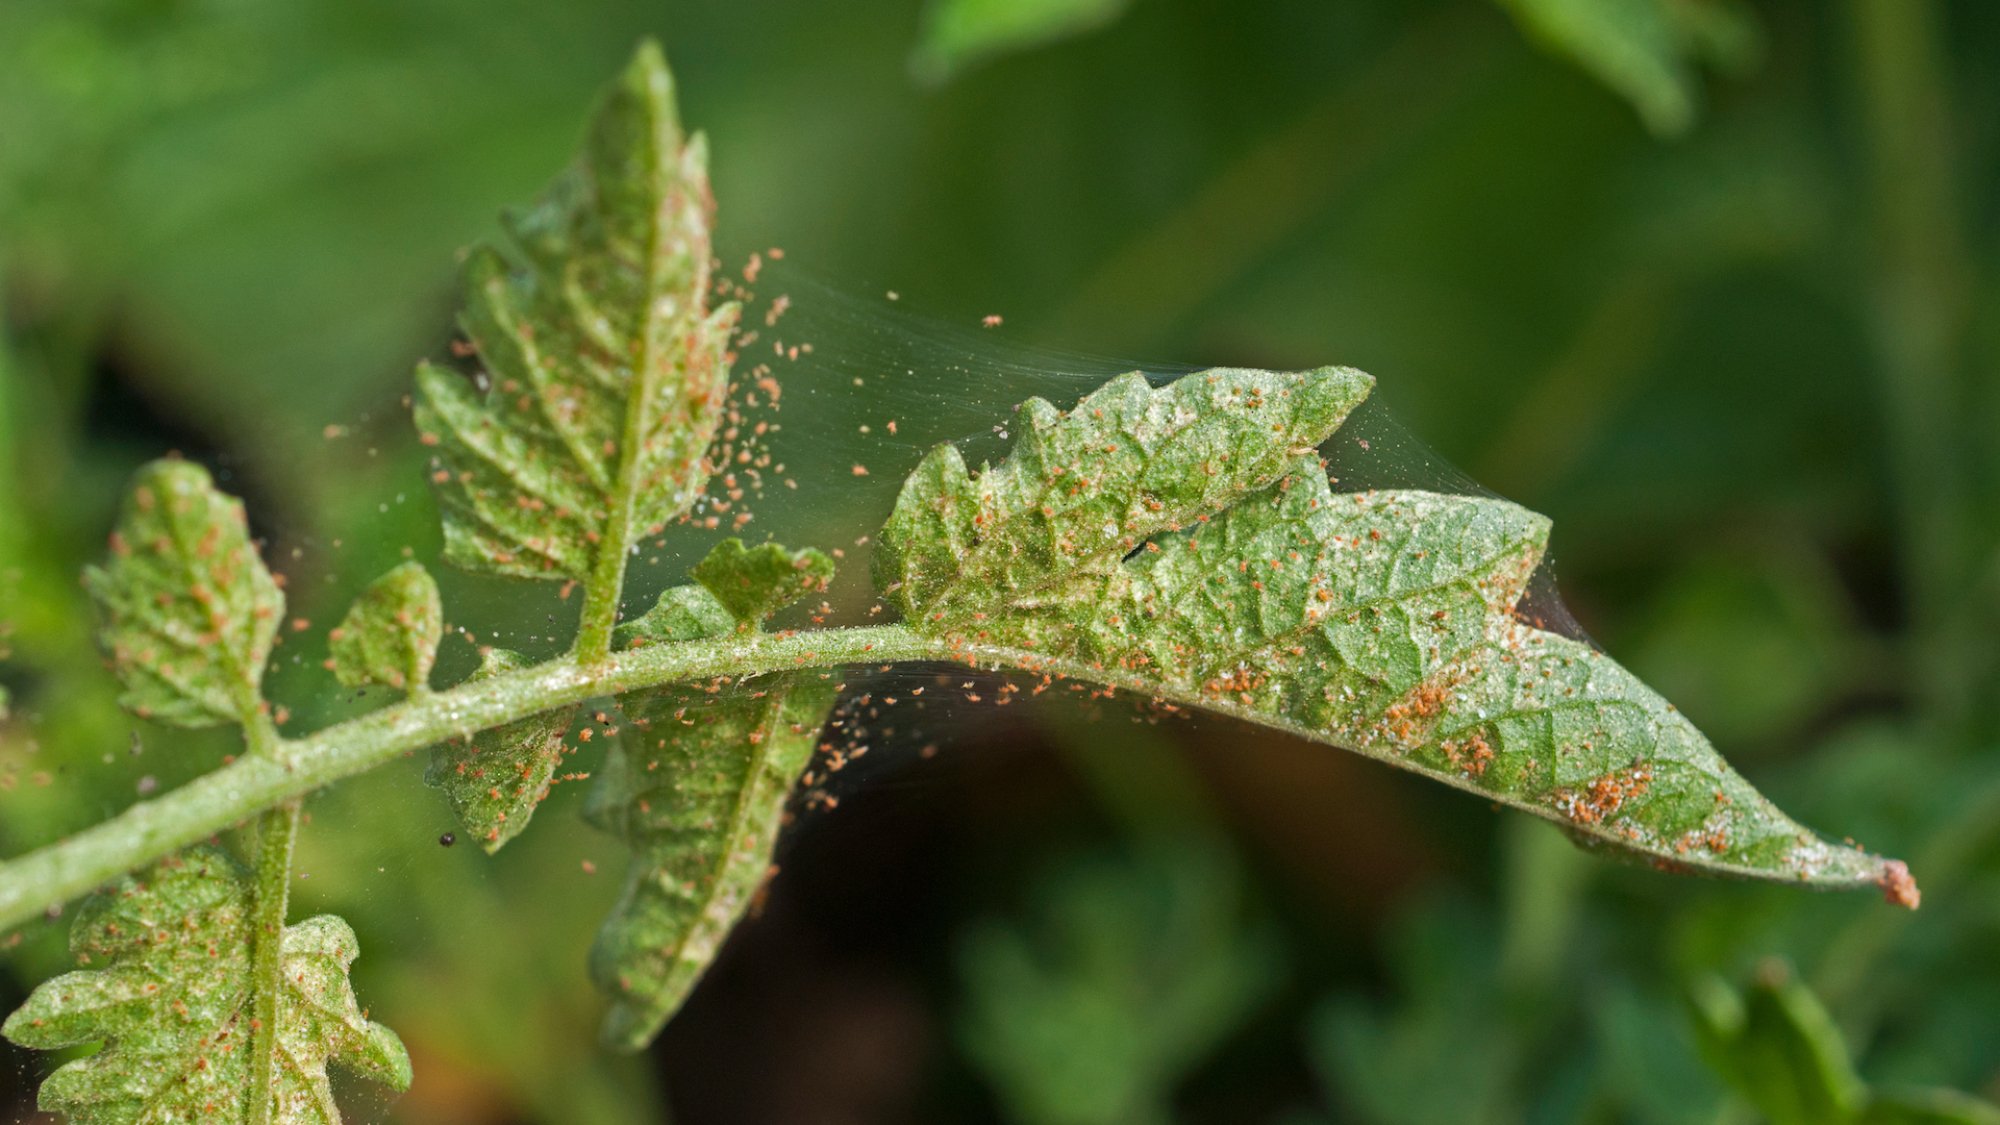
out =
column 1123, row 974
column 1749, row 372
column 1611, row 1049
column 1650, row 51
column 1778, row 1046
column 958, row 33
column 1428, row 1061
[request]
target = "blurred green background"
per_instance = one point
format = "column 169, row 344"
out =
column 1715, row 285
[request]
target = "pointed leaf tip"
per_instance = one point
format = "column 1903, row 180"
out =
column 1781, row 1050
column 648, row 69
column 644, row 95
column 1899, row 887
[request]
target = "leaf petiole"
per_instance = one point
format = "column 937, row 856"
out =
column 277, row 835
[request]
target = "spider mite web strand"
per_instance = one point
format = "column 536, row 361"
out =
column 839, row 394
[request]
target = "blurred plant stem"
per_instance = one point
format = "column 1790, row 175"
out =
column 38, row 410
column 1920, row 300
column 1919, row 305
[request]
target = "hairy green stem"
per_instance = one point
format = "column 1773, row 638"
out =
column 52, row 875
column 277, row 833
column 601, row 593
column 147, row 831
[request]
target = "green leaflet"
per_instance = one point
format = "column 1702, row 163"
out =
column 697, row 787
column 698, row 790
column 607, row 370
column 390, row 635
column 683, row 613
column 752, row 583
column 1381, row 622
column 189, row 612
column 170, row 996
column 495, row 779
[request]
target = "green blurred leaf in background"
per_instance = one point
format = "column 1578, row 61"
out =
column 1124, row 973
column 1648, row 51
column 959, row 33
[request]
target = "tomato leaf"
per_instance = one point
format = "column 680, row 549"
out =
column 168, row 989
column 1177, row 541
column 605, row 368
column 752, row 583
column 697, row 786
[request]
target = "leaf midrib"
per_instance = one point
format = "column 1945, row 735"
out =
column 739, row 820
column 607, row 574
column 243, row 693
